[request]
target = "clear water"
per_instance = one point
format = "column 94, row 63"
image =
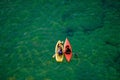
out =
column 29, row 30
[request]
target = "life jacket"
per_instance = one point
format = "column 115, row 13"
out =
column 60, row 52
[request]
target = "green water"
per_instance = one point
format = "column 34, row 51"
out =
column 29, row 30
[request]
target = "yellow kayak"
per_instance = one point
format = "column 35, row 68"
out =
column 59, row 57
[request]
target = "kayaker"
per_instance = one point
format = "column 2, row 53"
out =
column 67, row 50
column 60, row 50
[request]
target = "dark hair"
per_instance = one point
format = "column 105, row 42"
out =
column 67, row 46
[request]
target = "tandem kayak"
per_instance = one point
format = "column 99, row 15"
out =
column 67, row 50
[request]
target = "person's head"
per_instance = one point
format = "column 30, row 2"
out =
column 60, row 44
column 67, row 46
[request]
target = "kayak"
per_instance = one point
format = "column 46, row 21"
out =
column 67, row 50
column 58, row 57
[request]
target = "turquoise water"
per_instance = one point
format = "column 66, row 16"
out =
column 30, row 29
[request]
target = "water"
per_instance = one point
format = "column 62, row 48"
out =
column 30, row 29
